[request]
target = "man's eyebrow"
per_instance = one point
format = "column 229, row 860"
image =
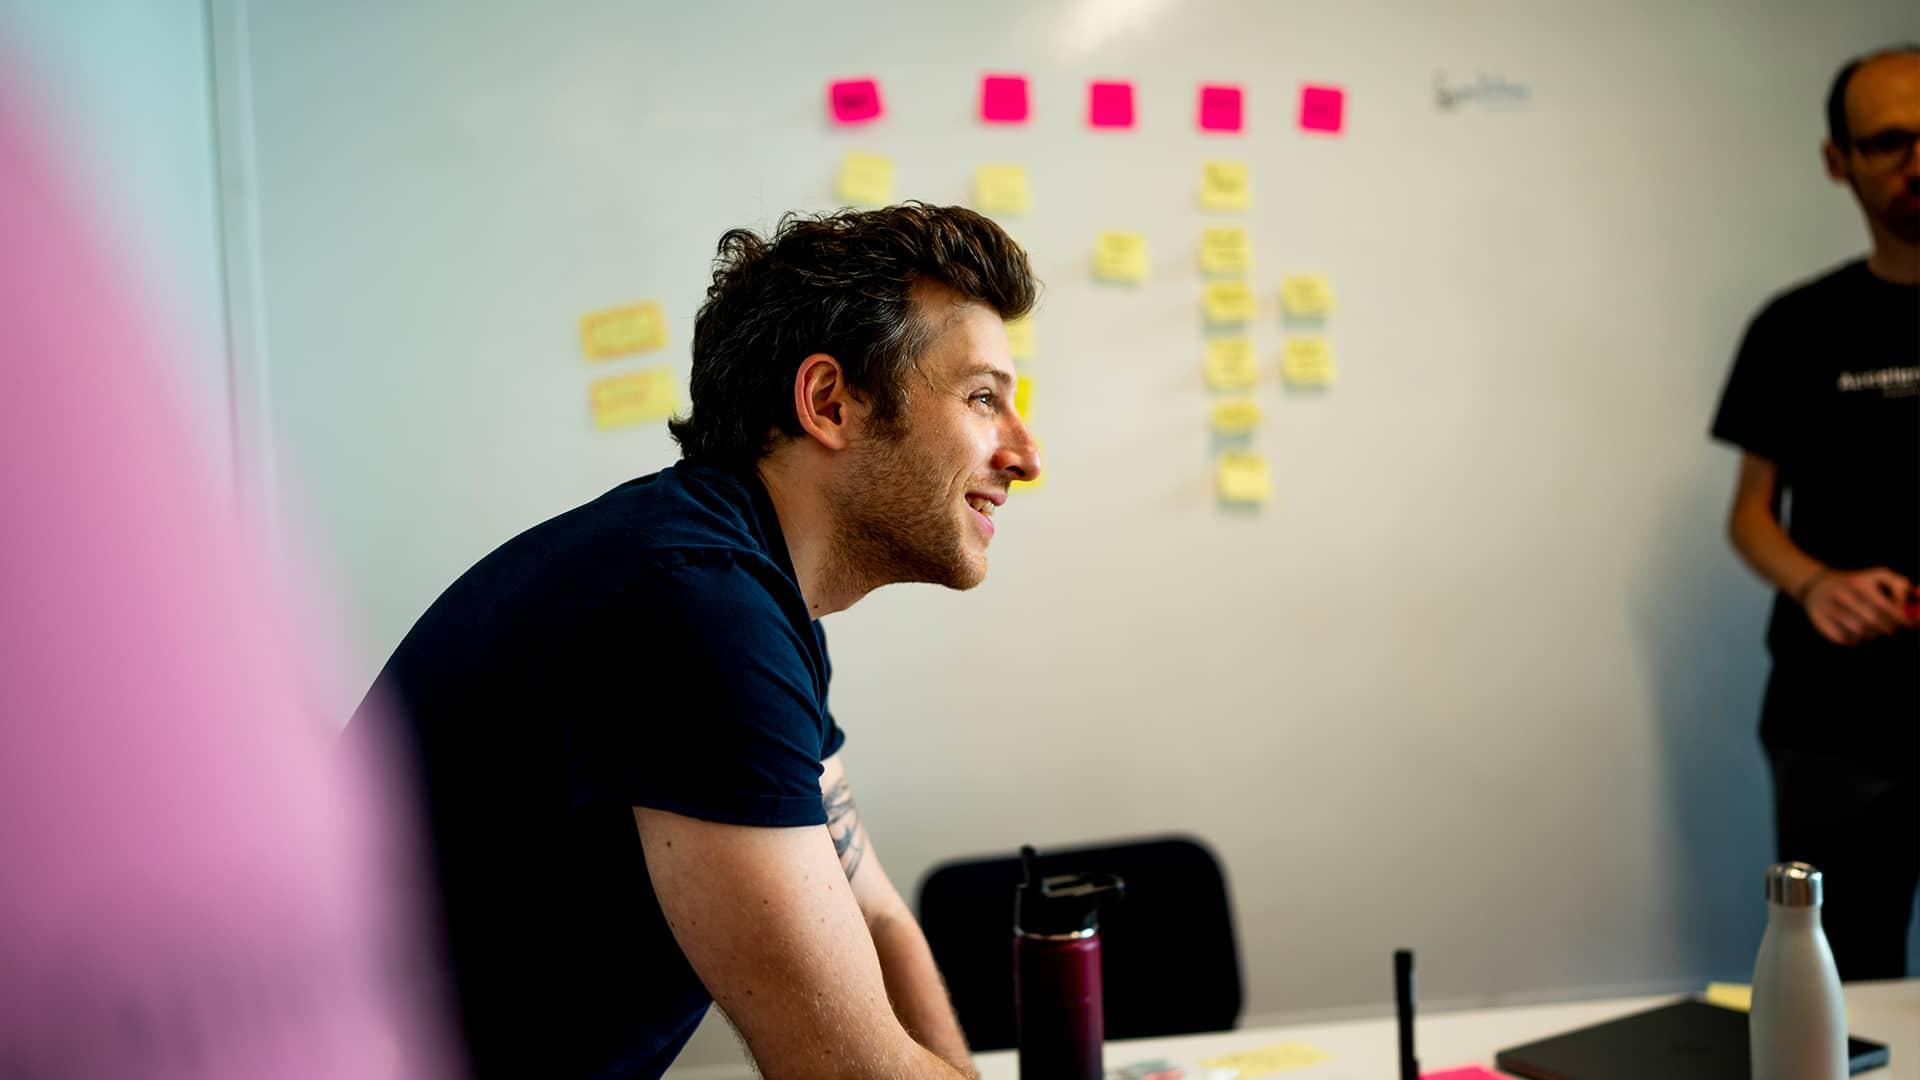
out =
column 997, row 374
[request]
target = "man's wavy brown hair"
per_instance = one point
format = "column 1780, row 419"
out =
column 839, row 284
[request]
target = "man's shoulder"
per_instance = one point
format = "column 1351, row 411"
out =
column 1814, row 297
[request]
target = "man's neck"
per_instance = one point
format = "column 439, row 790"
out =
column 1893, row 259
column 806, row 523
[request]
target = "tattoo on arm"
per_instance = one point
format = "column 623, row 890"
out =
column 843, row 824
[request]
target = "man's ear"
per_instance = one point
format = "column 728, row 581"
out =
column 823, row 402
column 1836, row 160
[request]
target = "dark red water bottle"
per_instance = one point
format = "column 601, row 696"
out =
column 1056, row 971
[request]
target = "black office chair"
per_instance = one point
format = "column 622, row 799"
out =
column 1169, row 963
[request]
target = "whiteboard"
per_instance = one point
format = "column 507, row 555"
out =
column 1481, row 679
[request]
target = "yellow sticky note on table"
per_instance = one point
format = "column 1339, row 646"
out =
column 1020, row 338
column 1225, row 249
column 1224, row 186
column 866, row 179
column 1023, row 396
column 1231, row 364
column 1241, row 477
column 1307, row 361
column 1269, row 1059
column 1306, row 294
column 1227, row 301
column 1002, row 189
column 631, row 399
column 1236, row 416
column 1121, row 257
column 1735, row 996
column 622, row 330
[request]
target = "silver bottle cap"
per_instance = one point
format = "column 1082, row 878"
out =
column 1793, row 884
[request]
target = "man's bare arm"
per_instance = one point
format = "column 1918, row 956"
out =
column 919, row 997
column 769, row 923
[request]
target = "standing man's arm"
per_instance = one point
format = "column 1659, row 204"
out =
column 913, row 982
column 1846, row 606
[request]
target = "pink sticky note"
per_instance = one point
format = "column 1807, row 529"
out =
column 854, row 101
column 1220, row 108
column 1322, row 108
column 1471, row 1072
column 1110, row 104
column 1003, row 99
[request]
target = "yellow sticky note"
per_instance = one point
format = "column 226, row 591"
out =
column 1306, row 294
column 1224, row 186
column 1231, row 364
column 1020, row 338
column 618, row 331
column 630, row 399
column 1735, row 996
column 1269, row 1059
column 1002, row 189
column 1241, row 477
column 1120, row 256
column 1236, row 416
column 866, row 179
column 1023, row 396
column 1227, row 301
column 1307, row 361
column 1224, row 249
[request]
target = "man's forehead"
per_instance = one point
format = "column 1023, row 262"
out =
column 1886, row 86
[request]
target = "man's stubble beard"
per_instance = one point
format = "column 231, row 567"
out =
column 892, row 522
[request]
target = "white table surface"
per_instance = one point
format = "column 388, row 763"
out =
column 1886, row 1012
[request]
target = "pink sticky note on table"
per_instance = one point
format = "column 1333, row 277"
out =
column 1471, row 1072
column 1003, row 99
column 1322, row 108
column 1110, row 104
column 854, row 101
column 1220, row 108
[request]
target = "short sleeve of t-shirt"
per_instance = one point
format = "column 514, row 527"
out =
column 726, row 717
column 1755, row 408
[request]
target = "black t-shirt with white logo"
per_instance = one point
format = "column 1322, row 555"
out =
column 650, row 648
column 1827, row 386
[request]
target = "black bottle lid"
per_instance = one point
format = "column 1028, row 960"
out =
column 1061, row 905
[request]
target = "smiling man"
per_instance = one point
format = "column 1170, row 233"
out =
column 620, row 716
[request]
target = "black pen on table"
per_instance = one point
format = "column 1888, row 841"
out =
column 1403, row 1011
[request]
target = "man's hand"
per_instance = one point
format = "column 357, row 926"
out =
column 1852, row 606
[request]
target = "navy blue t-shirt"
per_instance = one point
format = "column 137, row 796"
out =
column 650, row 648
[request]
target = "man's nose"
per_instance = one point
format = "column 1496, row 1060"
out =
column 1019, row 454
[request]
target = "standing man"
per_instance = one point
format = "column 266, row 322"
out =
column 1824, row 404
column 620, row 716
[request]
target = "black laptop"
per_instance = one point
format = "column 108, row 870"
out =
column 1687, row 1040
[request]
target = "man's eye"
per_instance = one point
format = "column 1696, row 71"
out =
column 984, row 397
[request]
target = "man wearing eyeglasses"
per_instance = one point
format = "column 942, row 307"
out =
column 1824, row 405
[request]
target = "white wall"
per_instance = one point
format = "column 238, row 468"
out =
column 1483, row 680
column 125, row 86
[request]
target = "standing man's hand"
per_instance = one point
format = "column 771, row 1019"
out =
column 1852, row 606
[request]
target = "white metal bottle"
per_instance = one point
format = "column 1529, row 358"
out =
column 1798, row 1026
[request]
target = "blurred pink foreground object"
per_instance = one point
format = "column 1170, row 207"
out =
column 195, row 880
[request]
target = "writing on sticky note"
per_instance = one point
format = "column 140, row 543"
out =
column 1735, row 996
column 621, row 331
column 1307, row 361
column 1224, row 186
column 1278, row 1058
column 1003, row 99
column 1231, row 364
column 1322, row 108
column 1227, row 302
column 1307, row 295
column 1220, row 108
column 1110, row 104
column 1121, row 257
column 1471, row 1072
column 631, row 399
column 1023, row 396
column 865, row 179
column 854, row 101
column 1001, row 189
column 1020, row 338
column 1225, row 249
column 1236, row 416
